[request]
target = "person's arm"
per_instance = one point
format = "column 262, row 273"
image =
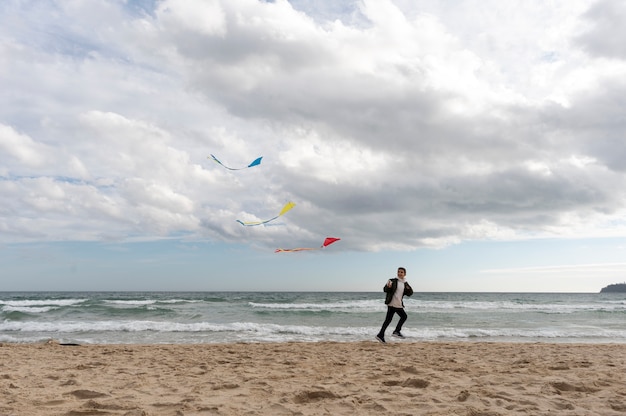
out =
column 388, row 286
column 408, row 290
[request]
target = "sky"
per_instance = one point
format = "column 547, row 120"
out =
column 481, row 144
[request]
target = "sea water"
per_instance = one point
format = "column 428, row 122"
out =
column 220, row 317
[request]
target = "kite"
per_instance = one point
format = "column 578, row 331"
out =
column 328, row 241
column 286, row 208
column 255, row 162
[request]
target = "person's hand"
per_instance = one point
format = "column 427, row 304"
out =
column 389, row 283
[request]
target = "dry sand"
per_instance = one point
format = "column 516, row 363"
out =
column 363, row 378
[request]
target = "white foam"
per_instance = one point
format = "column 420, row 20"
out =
column 42, row 302
column 459, row 306
column 29, row 309
column 130, row 302
column 361, row 305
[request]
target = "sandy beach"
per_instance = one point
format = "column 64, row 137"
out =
column 363, row 378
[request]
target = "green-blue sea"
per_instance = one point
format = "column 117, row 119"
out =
column 221, row 317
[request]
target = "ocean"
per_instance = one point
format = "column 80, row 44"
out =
column 224, row 317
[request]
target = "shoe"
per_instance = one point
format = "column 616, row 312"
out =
column 397, row 334
column 380, row 339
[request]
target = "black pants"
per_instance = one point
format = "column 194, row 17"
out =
column 390, row 312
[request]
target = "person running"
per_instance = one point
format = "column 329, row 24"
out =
column 395, row 290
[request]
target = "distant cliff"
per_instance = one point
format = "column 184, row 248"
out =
column 614, row 288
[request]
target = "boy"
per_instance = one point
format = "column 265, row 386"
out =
column 395, row 289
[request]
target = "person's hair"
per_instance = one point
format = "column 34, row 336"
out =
column 402, row 268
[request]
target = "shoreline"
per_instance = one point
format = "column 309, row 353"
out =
column 313, row 378
column 390, row 342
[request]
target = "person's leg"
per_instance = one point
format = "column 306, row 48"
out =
column 388, row 318
column 402, row 320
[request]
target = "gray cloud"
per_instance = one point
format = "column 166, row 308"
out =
column 606, row 34
column 390, row 126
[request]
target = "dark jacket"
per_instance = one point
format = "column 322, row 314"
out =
column 408, row 290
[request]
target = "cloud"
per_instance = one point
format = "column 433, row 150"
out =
column 393, row 125
column 21, row 148
column 605, row 35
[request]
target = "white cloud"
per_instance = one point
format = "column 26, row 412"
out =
column 204, row 17
column 21, row 148
column 391, row 124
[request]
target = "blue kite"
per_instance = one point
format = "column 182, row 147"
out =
column 255, row 162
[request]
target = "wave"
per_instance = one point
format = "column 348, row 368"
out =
column 179, row 317
column 169, row 332
column 29, row 309
column 557, row 308
column 141, row 326
column 42, row 302
column 436, row 306
column 146, row 302
column 41, row 306
column 130, row 303
column 363, row 305
column 15, row 316
column 517, row 334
